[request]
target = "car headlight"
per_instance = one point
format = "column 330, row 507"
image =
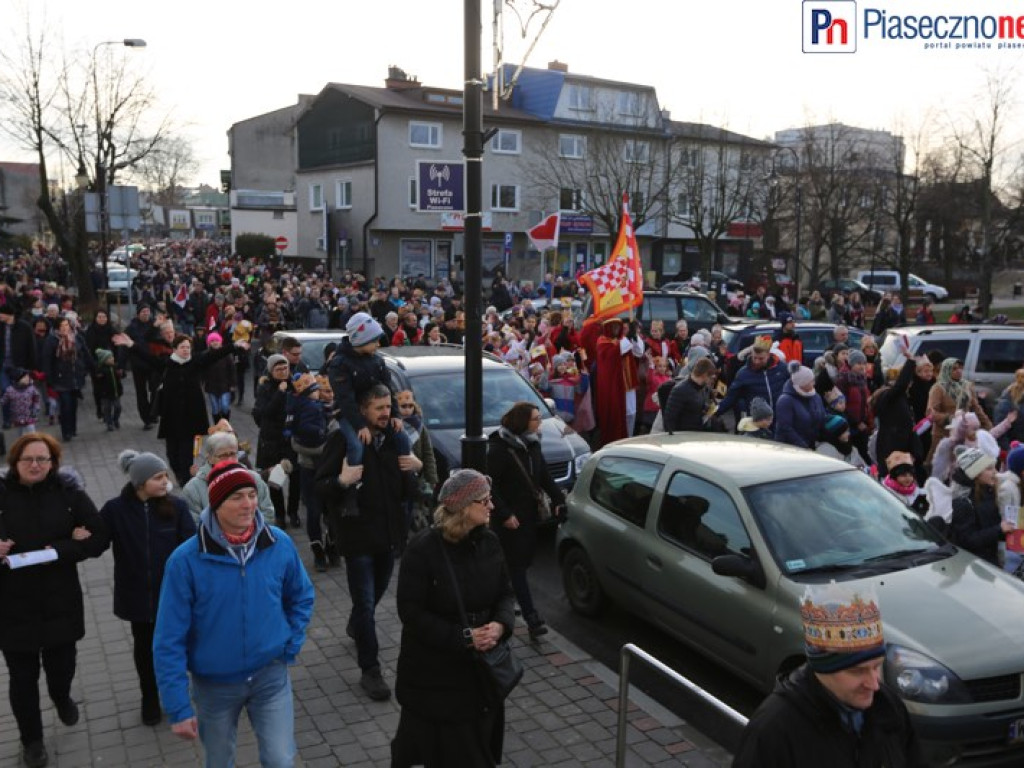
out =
column 579, row 461
column 917, row 677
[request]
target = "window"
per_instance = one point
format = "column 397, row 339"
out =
column 425, row 135
column 504, row 197
column 625, row 487
column 506, row 142
column 344, row 194
column 316, row 197
column 571, row 145
column 570, row 199
column 321, row 244
column 278, row 214
column 701, row 517
column 581, row 97
column 682, row 204
column 1000, row 355
column 637, row 203
column 637, row 151
column 689, row 158
column 662, row 308
column 700, row 310
column 414, row 193
column 629, row 103
column 748, row 161
column 949, row 347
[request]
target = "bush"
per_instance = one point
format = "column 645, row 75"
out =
column 250, row 245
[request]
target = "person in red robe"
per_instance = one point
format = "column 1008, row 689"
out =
column 616, row 381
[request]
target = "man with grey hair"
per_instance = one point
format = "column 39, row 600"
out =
column 840, row 335
column 220, row 446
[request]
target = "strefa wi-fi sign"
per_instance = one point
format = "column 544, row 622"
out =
column 440, row 186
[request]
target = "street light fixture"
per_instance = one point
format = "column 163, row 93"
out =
column 798, row 205
column 101, row 171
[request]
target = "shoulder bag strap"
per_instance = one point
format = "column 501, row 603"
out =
column 526, row 473
column 467, row 631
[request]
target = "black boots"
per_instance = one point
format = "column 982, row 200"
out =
column 535, row 624
column 319, row 556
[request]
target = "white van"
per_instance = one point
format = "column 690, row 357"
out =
column 889, row 280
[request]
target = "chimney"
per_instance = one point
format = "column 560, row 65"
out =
column 398, row 80
column 558, row 66
column 666, row 114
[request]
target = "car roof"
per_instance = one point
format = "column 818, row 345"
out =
column 915, row 330
column 741, row 325
column 310, row 334
column 744, row 461
column 447, row 357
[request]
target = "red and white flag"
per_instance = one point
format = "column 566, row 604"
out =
column 617, row 286
column 545, row 234
column 180, row 297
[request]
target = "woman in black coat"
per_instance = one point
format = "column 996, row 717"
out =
column 46, row 512
column 146, row 525
column 977, row 524
column 182, row 406
column 450, row 713
column 100, row 335
column 894, row 416
column 269, row 412
column 516, row 464
column 67, row 360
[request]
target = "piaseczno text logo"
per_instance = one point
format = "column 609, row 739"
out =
column 829, row 26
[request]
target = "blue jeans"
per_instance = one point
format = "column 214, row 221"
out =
column 219, row 404
column 267, row 696
column 354, row 448
column 368, row 577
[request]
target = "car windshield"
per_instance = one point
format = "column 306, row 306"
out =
column 840, row 522
column 437, row 392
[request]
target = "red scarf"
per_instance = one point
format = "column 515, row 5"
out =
column 892, row 484
column 242, row 538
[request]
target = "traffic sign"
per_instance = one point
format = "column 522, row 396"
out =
column 281, row 243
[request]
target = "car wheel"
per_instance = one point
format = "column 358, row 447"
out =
column 580, row 582
column 932, row 297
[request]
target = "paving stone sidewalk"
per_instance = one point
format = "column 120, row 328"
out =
column 564, row 713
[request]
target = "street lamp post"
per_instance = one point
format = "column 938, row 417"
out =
column 798, row 202
column 101, row 141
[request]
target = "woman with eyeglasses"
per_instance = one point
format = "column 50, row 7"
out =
column 450, row 712
column 49, row 524
column 521, row 478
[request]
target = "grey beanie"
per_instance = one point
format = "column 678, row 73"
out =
column 462, row 488
column 761, row 410
column 140, row 466
column 362, row 329
column 275, row 360
column 857, row 357
column 973, row 461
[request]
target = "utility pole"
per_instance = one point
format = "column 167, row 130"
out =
column 474, row 444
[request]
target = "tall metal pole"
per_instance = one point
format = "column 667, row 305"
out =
column 474, row 444
column 101, row 192
column 799, row 216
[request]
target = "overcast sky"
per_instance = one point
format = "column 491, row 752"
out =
column 735, row 63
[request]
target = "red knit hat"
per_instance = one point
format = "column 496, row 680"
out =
column 225, row 478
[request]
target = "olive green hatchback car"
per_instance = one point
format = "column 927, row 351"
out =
column 714, row 539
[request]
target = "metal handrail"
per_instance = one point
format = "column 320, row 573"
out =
column 629, row 650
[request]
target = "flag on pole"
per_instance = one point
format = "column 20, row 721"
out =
column 617, row 286
column 180, row 297
column 545, row 234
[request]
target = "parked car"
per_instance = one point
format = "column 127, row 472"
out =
column 697, row 283
column 672, row 306
column 991, row 354
column 714, row 539
column 816, row 337
column 119, row 279
column 313, row 344
column 436, row 377
column 888, row 280
column 846, row 286
column 575, row 306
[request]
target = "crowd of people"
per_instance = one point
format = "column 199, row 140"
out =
column 341, row 441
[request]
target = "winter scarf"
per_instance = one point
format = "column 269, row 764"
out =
column 66, row 347
column 959, row 391
column 904, row 490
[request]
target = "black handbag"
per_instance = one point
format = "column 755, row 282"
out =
column 503, row 667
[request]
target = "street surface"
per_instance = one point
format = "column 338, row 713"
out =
column 564, row 712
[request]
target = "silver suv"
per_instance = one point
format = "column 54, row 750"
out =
column 990, row 353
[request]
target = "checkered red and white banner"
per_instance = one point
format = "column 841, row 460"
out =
column 617, row 286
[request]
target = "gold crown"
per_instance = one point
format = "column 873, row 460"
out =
column 841, row 626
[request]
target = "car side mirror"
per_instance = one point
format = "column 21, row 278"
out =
column 740, row 567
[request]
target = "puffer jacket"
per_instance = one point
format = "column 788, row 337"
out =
column 350, row 374
column 142, row 542
column 43, row 603
column 799, row 420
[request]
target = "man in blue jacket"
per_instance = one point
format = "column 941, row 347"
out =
column 763, row 376
column 233, row 612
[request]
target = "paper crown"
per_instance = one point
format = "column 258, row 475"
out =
column 842, row 627
column 762, row 343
